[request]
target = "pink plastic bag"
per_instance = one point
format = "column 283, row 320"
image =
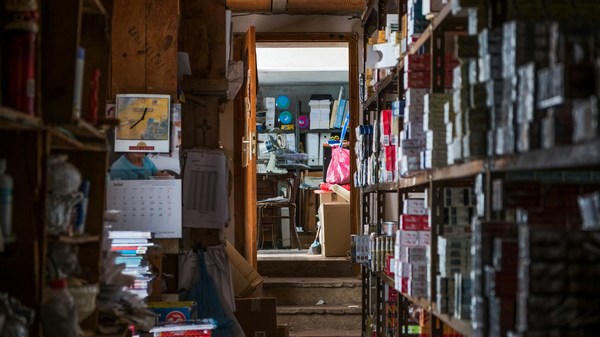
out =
column 338, row 171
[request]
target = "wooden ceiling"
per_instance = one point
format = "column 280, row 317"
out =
column 324, row 7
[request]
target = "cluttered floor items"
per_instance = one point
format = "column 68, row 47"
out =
column 206, row 302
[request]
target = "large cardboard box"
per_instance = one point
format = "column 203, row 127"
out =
column 335, row 228
column 329, row 196
column 245, row 279
column 257, row 316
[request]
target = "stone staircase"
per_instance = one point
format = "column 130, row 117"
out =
column 316, row 296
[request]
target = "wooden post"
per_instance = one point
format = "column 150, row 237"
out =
column 144, row 47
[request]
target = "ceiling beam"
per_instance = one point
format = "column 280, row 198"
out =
column 279, row 6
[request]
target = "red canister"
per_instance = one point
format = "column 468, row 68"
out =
column 19, row 60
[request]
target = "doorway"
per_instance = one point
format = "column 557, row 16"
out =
column 301, row 79
column 294, row 79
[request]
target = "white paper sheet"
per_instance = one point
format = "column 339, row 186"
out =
column 205, row 200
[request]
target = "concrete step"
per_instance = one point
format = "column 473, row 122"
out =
column 333, row 318
column 303, row 265
column 310, row 290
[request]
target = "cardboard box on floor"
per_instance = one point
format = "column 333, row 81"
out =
column 335, row 228
column 257, row 316
column 337, row 194
column 246, row 281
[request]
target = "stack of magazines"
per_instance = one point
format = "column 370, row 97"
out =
column 131, row 248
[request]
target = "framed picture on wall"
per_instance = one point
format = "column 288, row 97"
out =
column 144, row 123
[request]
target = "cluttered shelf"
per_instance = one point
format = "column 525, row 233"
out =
column 561, row 157
column 460, row 325
column 425, row 36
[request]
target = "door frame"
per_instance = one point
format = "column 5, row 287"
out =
column 241, row 223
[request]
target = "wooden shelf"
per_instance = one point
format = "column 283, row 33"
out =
column 415, row 179
column 83, row 129
column 62, row 140
column 301, row 131
column 76, row 240
column 435, row 23
column 380, row 86
column 464, row 170
column 462, row 326
column 14, row 119
column 561, row 157
column 419, row 178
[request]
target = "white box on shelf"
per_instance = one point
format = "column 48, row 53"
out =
column 312, row 148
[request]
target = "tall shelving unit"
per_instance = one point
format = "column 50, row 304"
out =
column 563, row 167
column 29, row 142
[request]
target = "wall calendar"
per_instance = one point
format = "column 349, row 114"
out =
column 147, row 205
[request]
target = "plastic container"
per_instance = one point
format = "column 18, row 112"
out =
column 286, row 117
column 282, row 102
column 58, row 312
column 6, row 200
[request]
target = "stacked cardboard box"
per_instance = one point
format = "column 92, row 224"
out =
column 454, row 253
column 484, row 234
column 435, row 153
column 319, row 114
column 412, row 140
column 411, row 249
column 389, row 126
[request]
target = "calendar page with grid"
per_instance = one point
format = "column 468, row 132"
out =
column 147, row 205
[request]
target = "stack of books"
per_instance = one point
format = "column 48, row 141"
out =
column 131, row 247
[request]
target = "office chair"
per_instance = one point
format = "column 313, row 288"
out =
column 271, row 209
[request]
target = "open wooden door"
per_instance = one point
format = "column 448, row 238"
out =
column 246, row 116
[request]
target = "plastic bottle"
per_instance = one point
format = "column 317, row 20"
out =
column 58, row 313
column 6, row 197
column 79, row 69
